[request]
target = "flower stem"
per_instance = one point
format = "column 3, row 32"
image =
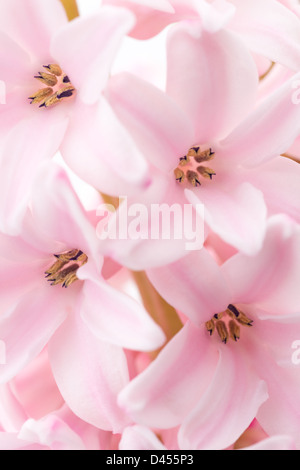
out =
column 71, row 8
column 161, row 312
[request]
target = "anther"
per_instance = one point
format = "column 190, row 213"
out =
column 41, row 95
column 234, row 330
column 47, row 78
column 179, row 175
column 206, row 172
column 210, row 326
column 54, row 68
column 204, row 156
column 192, row 178
column 222, row 331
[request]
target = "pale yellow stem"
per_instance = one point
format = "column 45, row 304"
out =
column 161, row 312
column 263, row 76
column 71, row 8
column 291, row 157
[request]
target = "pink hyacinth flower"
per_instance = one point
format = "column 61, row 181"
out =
column 29, row 423
column 209, row 116
column 87, row 322
column 55, row 72
column 234, row 359
column 267, row 28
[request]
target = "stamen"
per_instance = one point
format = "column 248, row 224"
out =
column 206, row 172
column 205, row 156
column 41, row 95
column 193, row 157
column 210, row 326
column 192, row 178
column 47, row 79
column 59, row 87
column 54, row 68
column 67, row 276
column 222, row 331
column 179, row 175
column 229, row 326
column 234, row 330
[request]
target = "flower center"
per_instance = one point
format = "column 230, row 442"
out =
column 227, row 323
column 190, row 166
column 58, row 87
column 64, row 270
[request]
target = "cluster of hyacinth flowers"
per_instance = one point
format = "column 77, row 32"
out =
column 149, row 225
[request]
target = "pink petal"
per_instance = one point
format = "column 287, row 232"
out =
column 14, row 62
column 161, row 130
column 158, row 396
column 269, row 29
column 52, row 432
column 151, row 16
column 28, row 144
column 11, row 441
column 227, row 407
column 32, row 23
column 214, row 105
column 273, row 358
column 236, row 212
column 190, row 285
column 12, row 414
column 105, row 166
column 117, row 318
column 269, row 130
column 86, row 48
column 140, row 438
column 89, row 373
column 59, row 214
column 136, row 236
column 271, row 278
column 27, row 328
column 279, row 181
column 274, row 443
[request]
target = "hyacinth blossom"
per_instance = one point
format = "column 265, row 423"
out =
column 265, row 26
column 125, row 340
column 54, row 72
column 54, row 293
column 234, row 352
column 207, row 144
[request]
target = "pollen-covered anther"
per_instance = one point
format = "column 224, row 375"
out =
column 210, row 326
column 47, row 79
column 189, row 168
column 222, row 331
column 206, row 172
column 64, row 270
column 179, row 175
column 228, row 323
column 41, row 95
column 192, row 178
column 54, row 68
column 234, row 330
column 239, row 315
column 58, row 87
column 204, row 156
